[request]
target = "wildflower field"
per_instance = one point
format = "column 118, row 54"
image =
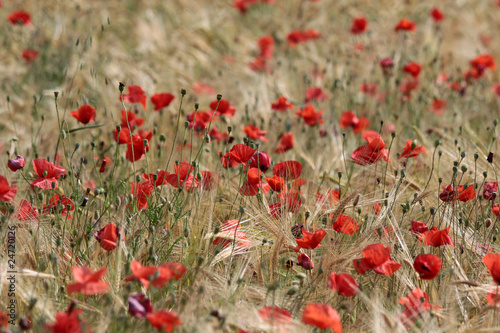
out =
column 249, row 166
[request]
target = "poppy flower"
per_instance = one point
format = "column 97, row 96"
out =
column 258, row 65
column 260, row 160
column 297, row 37
column 168, row 272
column 370, row 153
column 369, row 89
column 310, row 240
column 164, row 320
column 415, row 304
column 85, row 114
column 266, row 47
column 201, row 88
column 490, row 190
column 288, row 170
column 16, row 163
column 413, row 69
column 463, row 193
column 343, row 284
column 345, row 224
column 304, row 261
column 141, row 273
column 241, row 153
column 376, row 207
column 231, row 232
column 493, row 297
column 29, row 55
column 108, row 237
column 438, row 106
column 482, row 62
column 141, row 192
column 407, row 87
column 427, row 266
column 286, row 143
column 359, row 25
column 418, row 228
column 139, row 306
column 310, row 116
column 161, row 100
column 20, row 17
column 276, row 183
column 275, row 315
column 7, row 193
column 281, row 105
column 435, row 237
column 161, row 178
column 496, row 210
column 315, row 93
column 135, row 95
column 223, row 107
column 437, row 15
column 129, row 119
column 66, row 322
column 412, row 150
column 209, row 180
column 378, row 258
column 255, row 133
column 330, row 197
column 406, row 25
column 322, row 316
column 249, row 190
column 136, row 149
column 26, row 212
column 88, row 282
column 47, row 174
column 349, row 119
column 59, row 204
column 386, row 64
column 218, row 136
column 492, row 261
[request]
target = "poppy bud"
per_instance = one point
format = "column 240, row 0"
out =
column 196, row 106
column 103, row 166
column 16, row 164
column 121, row 86
column 490, row 157
column 183, row 92
column 56, row 94
column 219, row 97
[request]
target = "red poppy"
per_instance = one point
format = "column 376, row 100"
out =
column 260, row 160
column 359, row 25
column 386, row 64
column 164, row 320
column 343, row 283
column 281, row 105
column 435, row 237
column 310, row 240
column 438, row 106
column 141, row 273
column 427, row 266
column 135, row 95
column 376, row 207
column 88, row 282
column 29, row 55
column 255, row 133
column 26, row 212
column 266, row 47
column 162, row 100
column 378, row 258
column 167, row 272
column 231, row 232
column 406, row 25
column 276, row 183
column 492, row 261
column 418, row 228
column 275, row 315
column 369, row 89
column 413, row 69
column 296, row 36
column 216, row 135
column 16, row 163
column 108, row 237
column 490, row 190
column 407, row 87
column 141, row 192
column 304, row 261
column 258, row 65
column 462, row 193
column 315, row 93
column 331, row 197
column 493, row 297
column 349, row 119
column 223, row 107
column 129, row 119
column 47, row 174
column 209, row 180
column 241, row 153
column 136, row 149
column 345, row 224
column 412, row 150
column 416, row 303
column 482, row 62
column 322, row 316
column 370, row 153
column 7, row 193
column 20, row 17
column 311, row 117
column 139, row 306
column 437, row 15
column 85, row 114
column 161, row 178
column 66, row 322
column 496, row 210
column 285, row 144
column 59, row 204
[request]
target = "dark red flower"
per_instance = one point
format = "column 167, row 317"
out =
column 343, row 283
column 412, row 150
column 418, row 228
column 20, row 17
column 29, row 55
column 413, row 69
column 139, row 306
column 310, row 240
column 359, row 25
column 310, row 116
column 345, row 224
column 378, row 258
column 315, row 93
column 406, row 25
column 135, row 95
column 47, row 174
column 322, row 316
column 88, row 282
column 285, row 144
column 85, row 114
column 164, row 320
column 260, row 160
column 108, row 237
column 435, row 237
column 16, row 163
column 461, row 193
column 288, row 170
column 304, row 261
column 427, row 266
column 492, row 261
column 490, row 190
column 281, row 105
column 7, row 193
column 141, row 192
column 161, row 100
column 437, row 15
